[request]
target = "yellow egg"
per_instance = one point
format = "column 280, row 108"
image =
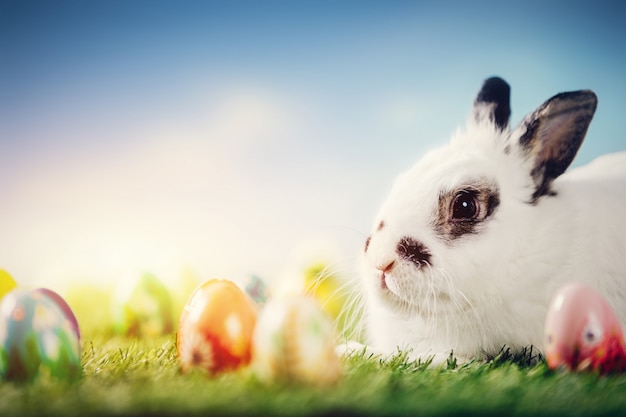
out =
column 7, row 283
column 326, row 287
column 294, row 341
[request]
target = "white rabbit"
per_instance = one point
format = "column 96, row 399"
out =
column 474, row 240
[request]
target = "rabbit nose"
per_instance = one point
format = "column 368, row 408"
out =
column 386, row 267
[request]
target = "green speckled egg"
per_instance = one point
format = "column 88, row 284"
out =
column 145, row 310
column 36, row 339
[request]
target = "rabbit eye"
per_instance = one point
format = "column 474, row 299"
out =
column 465, row 206
column 463, row 210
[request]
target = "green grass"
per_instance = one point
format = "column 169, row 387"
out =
column 138, row 377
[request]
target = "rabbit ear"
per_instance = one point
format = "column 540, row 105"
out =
column 492, row 103
column 551, row 136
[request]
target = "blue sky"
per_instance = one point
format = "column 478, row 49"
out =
column 249, row 136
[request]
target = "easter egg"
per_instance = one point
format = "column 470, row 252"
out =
column 326, row 288
column 257, row 290
column 582, row 332
column 36, row 339
column 215, row 329
column 68, row 314
column 294, row 340
column 7, row 283
column 143, row 311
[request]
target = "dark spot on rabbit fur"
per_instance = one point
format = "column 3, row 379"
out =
column 487, row 200
column 414, row 251
column 380, row 227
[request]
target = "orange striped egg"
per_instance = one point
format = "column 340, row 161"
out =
column 216, row 326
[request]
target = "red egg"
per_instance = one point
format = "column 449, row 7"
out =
column 582, row 332
column 216, row 326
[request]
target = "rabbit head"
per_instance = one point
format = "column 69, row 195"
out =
column 456, row 229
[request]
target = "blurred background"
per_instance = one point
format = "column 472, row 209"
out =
column 236, row 137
